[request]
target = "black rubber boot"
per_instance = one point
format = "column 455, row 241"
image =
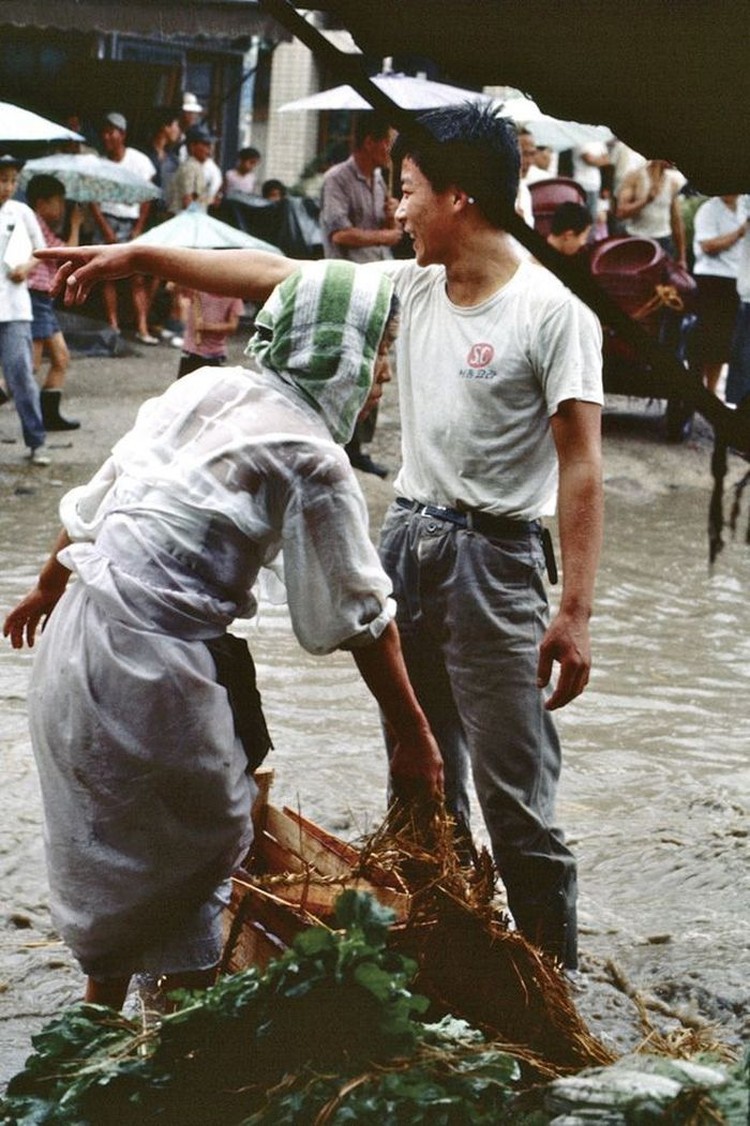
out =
column 51, row 417
column 555, row 932
column 552, row 926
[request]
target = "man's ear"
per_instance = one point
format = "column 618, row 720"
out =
column 462, row 199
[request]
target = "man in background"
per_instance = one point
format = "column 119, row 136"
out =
column 191, row 184
column 358, row 222
column 570, row 228
column 121, row 222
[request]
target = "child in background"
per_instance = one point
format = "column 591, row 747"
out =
column 210, row 320
column 46, row 197
column 273, row 190
column 20, row 236
column 242, row 178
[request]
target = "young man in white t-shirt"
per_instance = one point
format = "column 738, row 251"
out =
column 500, row 388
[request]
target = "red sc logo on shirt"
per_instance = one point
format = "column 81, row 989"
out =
column 480, row 355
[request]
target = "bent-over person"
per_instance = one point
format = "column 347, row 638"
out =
column 146, row 784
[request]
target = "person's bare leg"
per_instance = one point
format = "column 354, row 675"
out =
column 111, row 991
column 711, row 375
column 109, row 295
column 38, row 346
column 59, row 362
column 140, row 304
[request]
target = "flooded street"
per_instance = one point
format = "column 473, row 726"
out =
column 656, row 785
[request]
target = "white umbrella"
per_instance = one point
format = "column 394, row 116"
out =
column 405, row 90
column 551, row 132
column 17, row 124
column 89, row 178
column 196, row 229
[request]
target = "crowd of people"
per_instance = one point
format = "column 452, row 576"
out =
column 178, row 161
column 626, row 194
column 500, row 381
column 621, row 192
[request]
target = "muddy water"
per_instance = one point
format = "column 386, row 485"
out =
column 655, row 793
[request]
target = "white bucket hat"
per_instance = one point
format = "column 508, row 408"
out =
column 190, row 104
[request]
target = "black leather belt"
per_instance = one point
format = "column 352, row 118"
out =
column 499, row 527
column 483, row 522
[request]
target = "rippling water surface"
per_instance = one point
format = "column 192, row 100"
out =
column 656, row 787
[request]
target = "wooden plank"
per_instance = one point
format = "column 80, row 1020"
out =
column 320, row 899
column 279, row 918
column 346, row 852
column 375, row 873
column 272, row 857
column 291, row 835
column 255, row 946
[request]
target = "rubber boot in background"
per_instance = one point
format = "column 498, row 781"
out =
column 51, row 417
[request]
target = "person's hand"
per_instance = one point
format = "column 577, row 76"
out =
column 567, row 642
column 391, row 236
column 83, row 267
column 417, row 767
column 25, row 618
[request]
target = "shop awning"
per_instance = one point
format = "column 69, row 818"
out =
column 229, row 20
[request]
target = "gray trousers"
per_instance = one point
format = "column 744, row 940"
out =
column 471, row 613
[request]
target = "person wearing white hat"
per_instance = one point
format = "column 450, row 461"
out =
column 190, row 115
column 191, row 106
column 192, row 111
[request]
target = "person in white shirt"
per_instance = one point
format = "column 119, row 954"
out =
column 588, row 161
column 121, row 222
column 648, row 206
column 738, row 376
column 243, row 177
column 20, row 236
column 718, row 229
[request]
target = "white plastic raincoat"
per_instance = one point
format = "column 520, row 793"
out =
column 145, row 792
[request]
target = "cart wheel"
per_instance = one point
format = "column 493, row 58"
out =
column 678, row 421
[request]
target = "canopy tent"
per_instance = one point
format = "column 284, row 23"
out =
column 406, row 90
column 551, row 131
column 21, row 125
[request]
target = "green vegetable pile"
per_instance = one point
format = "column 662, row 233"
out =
column 328, row 1033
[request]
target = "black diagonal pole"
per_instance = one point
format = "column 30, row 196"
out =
column 732, row 427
